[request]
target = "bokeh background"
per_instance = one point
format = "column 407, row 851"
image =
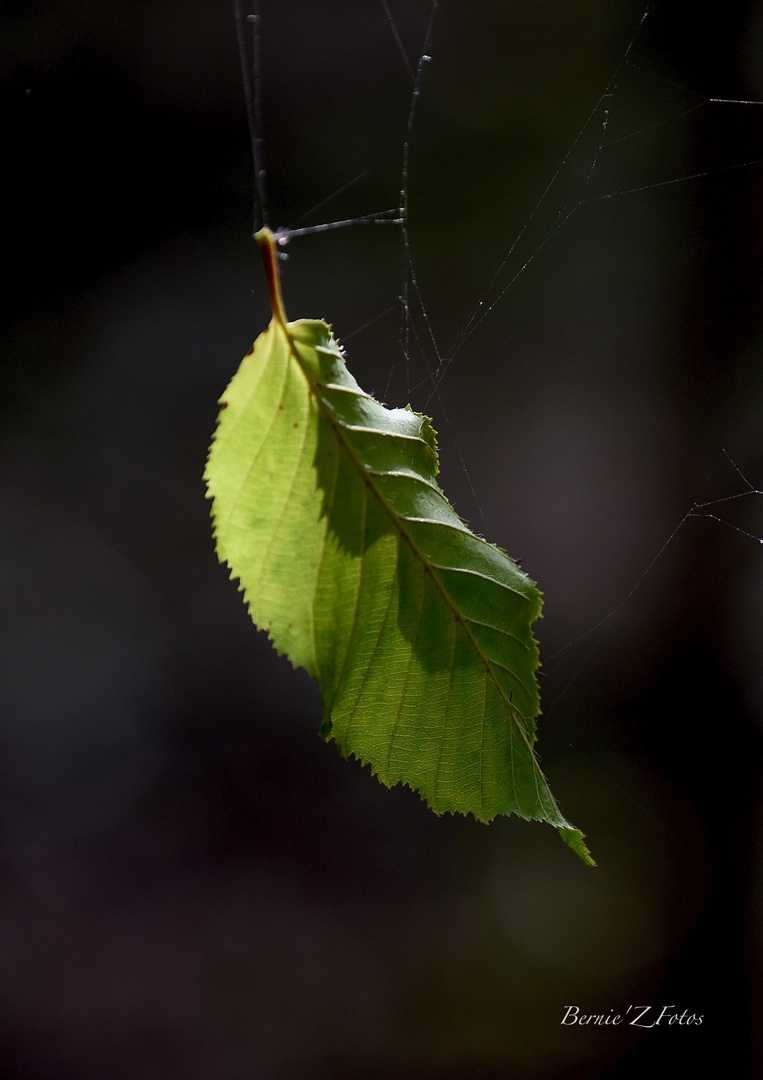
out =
column 193, row 884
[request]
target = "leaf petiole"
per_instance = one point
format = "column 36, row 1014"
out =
column 267, row 242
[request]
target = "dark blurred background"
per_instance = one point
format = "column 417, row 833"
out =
column 193, row 885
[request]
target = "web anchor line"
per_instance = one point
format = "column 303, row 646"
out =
column 383, row 217
column 251, row 76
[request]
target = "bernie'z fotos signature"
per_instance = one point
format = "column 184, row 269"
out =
column 644, row 1016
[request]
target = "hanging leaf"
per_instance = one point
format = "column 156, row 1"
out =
column 327, row 509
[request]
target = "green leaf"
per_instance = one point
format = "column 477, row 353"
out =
column 327, row 508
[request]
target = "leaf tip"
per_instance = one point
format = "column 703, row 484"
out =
column 574, row 839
